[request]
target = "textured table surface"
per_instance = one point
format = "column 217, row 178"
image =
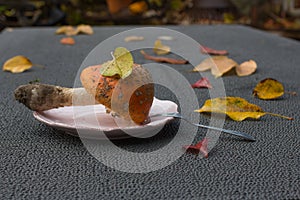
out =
column 38, row 162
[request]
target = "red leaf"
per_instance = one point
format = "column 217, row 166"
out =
column 164, row 59
column 199, row 147
column 202, row 83
column 207, row 50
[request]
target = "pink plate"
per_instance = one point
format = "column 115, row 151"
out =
column 92, row 122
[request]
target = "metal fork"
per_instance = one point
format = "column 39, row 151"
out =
column 179, row 116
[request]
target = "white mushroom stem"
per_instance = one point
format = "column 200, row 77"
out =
column 40, row 97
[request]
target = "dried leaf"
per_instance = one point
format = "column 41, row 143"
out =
column 67, row 41
column 207, row 50
column 246, row 68
column 17, row 64
column 268, row 89
column 202, row 83
column 134, row 38
column 85, row 29
column 236, row 108
column 161, row 49
column 199, row 147
column 219, row 65
column 164, row 59
column 67, row 30
column 121, row 64
column 71, row 31
column 165, row 37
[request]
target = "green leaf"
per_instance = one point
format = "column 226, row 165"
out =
column 121, row 64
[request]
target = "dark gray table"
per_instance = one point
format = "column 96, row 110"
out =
column 38, row 162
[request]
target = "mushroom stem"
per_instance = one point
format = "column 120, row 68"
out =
column 40, row 97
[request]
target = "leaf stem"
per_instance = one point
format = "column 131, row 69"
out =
column 278, row 115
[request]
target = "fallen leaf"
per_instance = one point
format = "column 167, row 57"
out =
column 134, row 38
column 207, row 50
column 199, row 147
column 219, row 65
column 85, row 29
column 161, row 49
column 121, row 64
column 163, row 59
column 268, row 89
column 236, row 108
column 202, row 83
column 246, row 68
column 138, row 7
column 165, row 37
column 67, row 41
column 17, row 64
column 67, row 30
column 71, row 31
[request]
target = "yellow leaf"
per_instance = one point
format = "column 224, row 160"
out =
column 236, row 108
column 268, row 89
column 246, row 68
column 71, row 31
column 67, row 30
column 121, row 64
column 133, row 38
column 85, row 29
column 17, row 64
column 161, row 49
column 219, row 65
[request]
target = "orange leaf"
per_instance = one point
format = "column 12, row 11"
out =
column 246, row 68
column 67, row 41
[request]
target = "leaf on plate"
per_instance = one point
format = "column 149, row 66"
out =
column 199, row 147
column 163, row 59
column 84, row 29
column 17, row 64
column 67, row 41
column 246, row 68
column 161, row 49
column 208, row 50
column 219, row 65
column 165, row 37
column 236, row 108
column 133, row 38
column 202, row 83
column 121, row 64
column 268, row 89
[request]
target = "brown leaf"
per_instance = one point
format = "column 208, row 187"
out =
column 17, row 64
column 207, row 50
column 163, row 59
column 268, row 89
column 67, row 41
column 246, row 68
